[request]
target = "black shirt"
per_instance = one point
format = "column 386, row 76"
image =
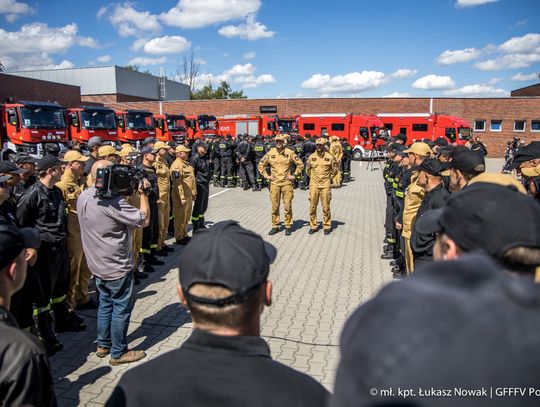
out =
column 201, row 168
column 214, row 370
column 25, row 378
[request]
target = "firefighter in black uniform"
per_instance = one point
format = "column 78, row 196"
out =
column 389, row 223
column 259, row 149
column 244, row 156
column 309, row 148
column 347, row 159
column 201, row 168
column 43, row 207
column 226, row 161
column 150, row 236
column 213, row 155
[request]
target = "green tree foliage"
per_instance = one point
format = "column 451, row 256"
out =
column 223, row 91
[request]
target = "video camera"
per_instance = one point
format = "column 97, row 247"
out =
column 118, row 179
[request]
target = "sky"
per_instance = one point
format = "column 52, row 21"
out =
column 290, row 48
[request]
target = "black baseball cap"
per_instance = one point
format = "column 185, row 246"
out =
column 430, row 165
column 440, row 141
column 13, row 240
column 47, row 162
column 148, row 150
column 24, row 158
column 467, row 160
column 489, row 217
column 149, row 140
column 227, row 255
column 9, row 167
column 526, row 153
column 468, row 325
column 447, row 151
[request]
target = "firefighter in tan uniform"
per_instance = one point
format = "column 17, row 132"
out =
column 281, row 160
column 164, row 185
column 337, row 152
column 414, row 194
column 72, row 184
column 321, row 168
column 184, row 191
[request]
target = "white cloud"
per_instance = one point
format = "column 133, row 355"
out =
column 252, row 30
column 166, row 45
column 202, row 13
column 88, row 42
column 32, row 62
column 477, row 90
column 510, row 61
column 249, row 55
column 449, row 57
column 237, row 70
column 243, row 75
column 104, row 58
column 404, row 73
column 472, row 3
column 521, row 23
column 129, row 21
column 524, row 77
column 397, row 95
column 37, row 37
column 13, row 9
column 138, row 44
column 200, row 61
column 147, row 61
column 434, row 82
column 528, row 44
column 348, row 83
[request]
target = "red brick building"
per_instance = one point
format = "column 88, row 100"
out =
column 496, row 120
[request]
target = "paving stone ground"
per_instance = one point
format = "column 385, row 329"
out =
column 318, row 281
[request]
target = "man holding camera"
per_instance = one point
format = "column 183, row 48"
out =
column 107, row 226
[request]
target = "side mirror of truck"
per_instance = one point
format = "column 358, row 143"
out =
column 74, row 120
column 12, row 118
column 120, row 122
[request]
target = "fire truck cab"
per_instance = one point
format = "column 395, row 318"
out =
column 202, row 126
column 418, row 126
column 89, row 121
column 134, row 126
column 363, row 132
column 27, row 126
column 171, row 127
column 254, row 125
column 272, row 125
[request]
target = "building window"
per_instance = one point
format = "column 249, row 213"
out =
column 309, row 126
column 479, row 125
column 338, row 127
column 519, row 125
column 419, row 127
column 496, row 125
column 535, row 125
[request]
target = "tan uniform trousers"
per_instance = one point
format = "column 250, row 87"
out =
column 134, row 200
column 164, row 211
column 325, row 196
column 336, row 179
column 277, row 193
column 409, row 256
column 182, row 215
column 79, row 271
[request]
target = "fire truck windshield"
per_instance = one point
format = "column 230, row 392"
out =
column 175, row 123
column 286, row 125
column 42, row 117
column 96, row 119
column 139, row 121
column 464, row 133
column 207, row 124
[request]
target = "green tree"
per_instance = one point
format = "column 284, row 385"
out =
column 223, row 91
column 137, row 68
column 2, row 69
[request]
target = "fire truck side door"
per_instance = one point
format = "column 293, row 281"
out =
column 12, row 118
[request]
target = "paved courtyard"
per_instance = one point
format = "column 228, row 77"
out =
column 318, row 282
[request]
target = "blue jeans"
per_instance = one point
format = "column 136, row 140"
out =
column 115, row 305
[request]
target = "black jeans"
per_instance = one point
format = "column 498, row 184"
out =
column 201, row 204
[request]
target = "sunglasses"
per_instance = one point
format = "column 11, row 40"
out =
column 3, row 184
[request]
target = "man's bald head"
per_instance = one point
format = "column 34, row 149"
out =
column 97, row 165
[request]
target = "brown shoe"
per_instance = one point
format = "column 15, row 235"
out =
column 101, row 352
column 128, row 357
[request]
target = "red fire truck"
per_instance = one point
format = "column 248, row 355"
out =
column 171, row 127
column 28, row 126
column 134, row 126
column 89, row 121
column 359, row 130
column 254, row 125
column 418, row 126
column 201, row 126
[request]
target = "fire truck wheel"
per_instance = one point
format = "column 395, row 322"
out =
column 357, row 155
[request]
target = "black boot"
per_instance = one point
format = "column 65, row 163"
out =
column 46, row 333
column 152, row 260
column 66, row 320
column 201, row 224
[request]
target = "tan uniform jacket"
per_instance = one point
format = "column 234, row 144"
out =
column 413, row 199
column 164, row 183
column 336, row 150
column 321, row 169
column 71, row 189
column 280, row 165
column 183, row 178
